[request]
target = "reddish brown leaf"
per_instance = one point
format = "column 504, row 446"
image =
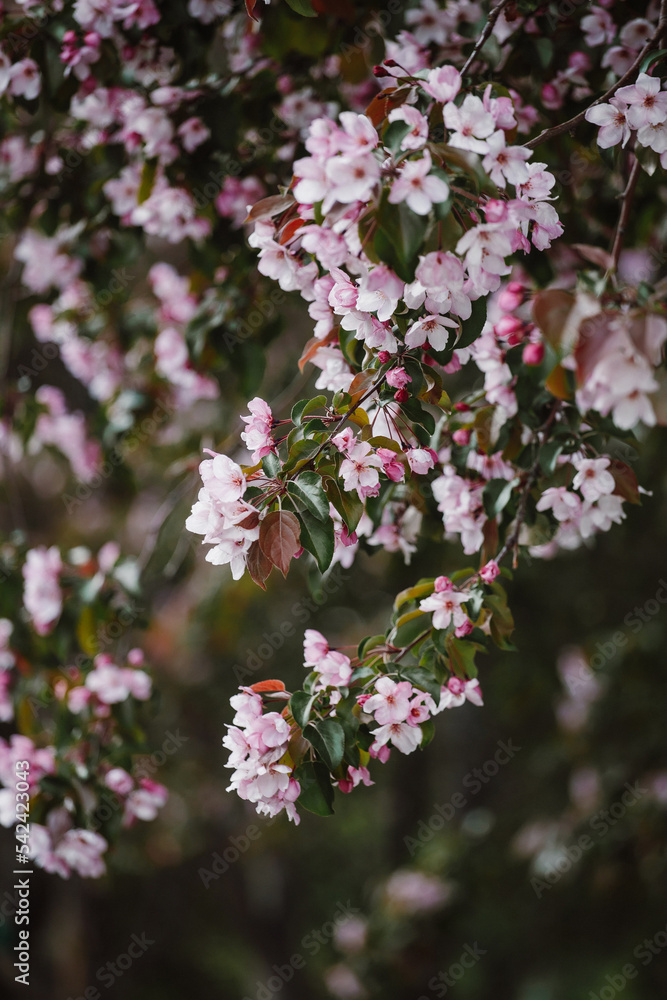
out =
column 279, row 538
column 288, row 231
column 251, row 521
column 267, row 208
column 313, row 346
column 381, row 105
column 626, row 481
column 595, row 255
column 250, row 6
column 551, row 309
column 360, row 385
column 261, row 686
column 258, row 565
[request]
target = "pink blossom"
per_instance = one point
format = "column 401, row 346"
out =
column 360, row 470
column 391, row 465
column 257, row 435
column 612, row 119
column 315, row 647
column 402, row 735
column 335, row 670
column 355, row 776
column 456, row 692
column 471, row 124
column 144, row 802
column 119, row 781
column 432, row 329
column 417, row 188
column 564, row 504
column 418, row 134
column 593, row 479
column 391, row 702
column 443, row 83
column 345, row 440
column 379, row 292
column 420, row 460
column 351, row 178
column 446, row 608
column 505, row 163
column 42, row 595
column 647, row 104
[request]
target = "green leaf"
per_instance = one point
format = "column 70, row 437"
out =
column 306, row 406
column 300, row 706
column 422, row 679
column 348, row 505
column 300, row 452
column 271, row 465
column 308, row 488
column 421, row 589
column 472, row 327
column 400, row 237
column 394, row 134
column 303, row 7
column 428, row 732
column 370, row 642
column 496, row 496
column 548, row 455
column 317, row 792
column 147, row 180
column 318, row 538
column 328, row 739
column 462, row 657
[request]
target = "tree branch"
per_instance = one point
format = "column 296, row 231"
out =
column 624, row 217
column 483, row 38
column 629, row 75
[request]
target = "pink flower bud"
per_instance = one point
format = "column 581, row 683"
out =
column 464, row 629
column 461, row 437
column 384, row 357
column 490, row 571
column 461, row 407
column 401, row 395
column 379, row 71
column 495, row 210
column 398, row 378
column 508, row 325
column 442, row 584
column 533, row 354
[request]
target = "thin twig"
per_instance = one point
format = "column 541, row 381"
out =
column 511, row 543
column 483, row 38
column 624, row 217
column 567, row 126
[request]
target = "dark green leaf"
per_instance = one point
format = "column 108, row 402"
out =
column 328, row 739
column 317, row 792
column 308, row 488
column 472, row 327
column 271, row 465
column 300, row 706
column 318, row 538
column 303, row 7
column 496, row 496
column 422, row 679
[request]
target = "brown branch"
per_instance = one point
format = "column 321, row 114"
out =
column 629, row 75
column 511, row 543
column 483, row 38
column 624, row 217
